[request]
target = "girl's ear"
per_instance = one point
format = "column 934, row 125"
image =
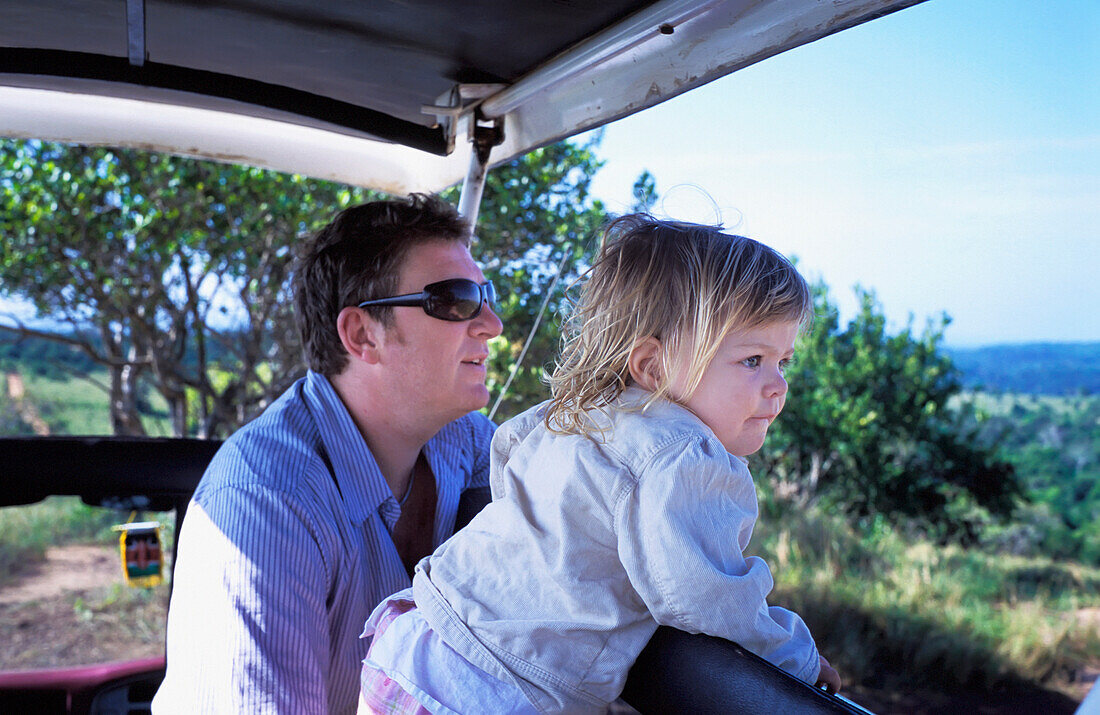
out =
column 645, row 363
column 360, row 334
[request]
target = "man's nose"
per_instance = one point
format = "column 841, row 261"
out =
column 487, row 323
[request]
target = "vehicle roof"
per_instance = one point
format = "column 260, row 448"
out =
column 381, row 93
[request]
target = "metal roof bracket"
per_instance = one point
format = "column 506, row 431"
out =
column 135, row 32
column 484, row 134
column 455, row 102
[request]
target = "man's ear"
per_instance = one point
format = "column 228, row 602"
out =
column 645, row 363
column 360, row 334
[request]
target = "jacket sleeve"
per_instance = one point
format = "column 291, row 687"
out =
column 247, row 628
column 682, row 531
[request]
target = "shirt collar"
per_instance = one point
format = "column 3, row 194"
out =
column 357, row 476
column 446, row 451
column 635, row 396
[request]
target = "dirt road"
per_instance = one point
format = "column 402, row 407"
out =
column 74, row 608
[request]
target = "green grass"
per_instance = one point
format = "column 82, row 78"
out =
column 27, row 531
column 77, row 406
column 11, row 421
column 69, row 405
column 900, row 612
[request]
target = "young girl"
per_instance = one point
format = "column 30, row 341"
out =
column 622, row 503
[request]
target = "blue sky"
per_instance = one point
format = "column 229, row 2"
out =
column 946, row 156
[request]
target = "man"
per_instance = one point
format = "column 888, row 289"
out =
column 317, row 510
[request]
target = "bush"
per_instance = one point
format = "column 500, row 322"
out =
column 895, row 610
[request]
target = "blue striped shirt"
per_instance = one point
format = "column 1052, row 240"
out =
column 285, row 551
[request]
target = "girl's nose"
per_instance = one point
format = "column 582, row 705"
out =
column 776, row 386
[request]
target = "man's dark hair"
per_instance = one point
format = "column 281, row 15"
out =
column 357, row 257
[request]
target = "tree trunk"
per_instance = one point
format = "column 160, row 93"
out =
column 815, row 473
column 125, row 419
column 177, row 410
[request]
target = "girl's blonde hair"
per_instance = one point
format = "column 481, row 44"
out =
column 684, row 284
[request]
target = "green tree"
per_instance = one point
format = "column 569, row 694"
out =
column 868, row 427
column 644, row 192
column 164, row 268
column 1054, row 444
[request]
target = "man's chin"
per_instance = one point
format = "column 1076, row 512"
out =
column 482, row 400
column 473, row 401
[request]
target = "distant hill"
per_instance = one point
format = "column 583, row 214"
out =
column 1031, row 368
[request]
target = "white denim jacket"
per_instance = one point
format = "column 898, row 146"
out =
column 559, row 583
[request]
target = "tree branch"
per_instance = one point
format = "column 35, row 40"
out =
column 24, row 332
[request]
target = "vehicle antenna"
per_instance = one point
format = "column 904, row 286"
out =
column 534, row 328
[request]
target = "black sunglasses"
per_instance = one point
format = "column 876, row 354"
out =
column 455, row 299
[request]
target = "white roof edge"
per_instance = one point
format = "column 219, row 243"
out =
column 94, row 119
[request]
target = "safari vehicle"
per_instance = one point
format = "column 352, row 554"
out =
column 399, row 97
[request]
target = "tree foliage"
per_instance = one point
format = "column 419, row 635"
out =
column 644, row 192
column 1054, row 444
column 868, row 426
column 164, row 268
